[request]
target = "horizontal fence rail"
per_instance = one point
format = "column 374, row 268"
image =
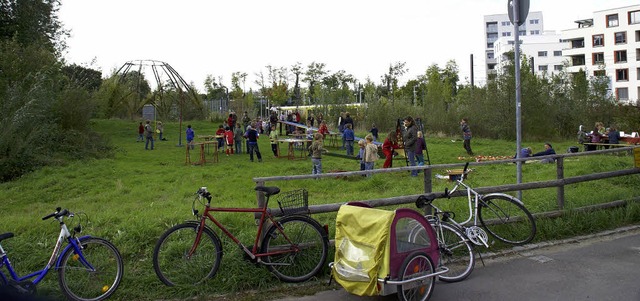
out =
column 560, row 182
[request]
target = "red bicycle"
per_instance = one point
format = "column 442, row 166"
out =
column 294, row 248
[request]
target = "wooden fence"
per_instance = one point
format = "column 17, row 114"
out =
column 560, row 182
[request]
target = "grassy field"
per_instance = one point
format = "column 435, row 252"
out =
column 132, row 198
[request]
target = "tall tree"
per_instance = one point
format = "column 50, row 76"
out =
column 314, row 74
column 296, row 70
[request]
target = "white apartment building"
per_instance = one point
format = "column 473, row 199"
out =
column 497, row 26
column 608, row 44
column 544, row 52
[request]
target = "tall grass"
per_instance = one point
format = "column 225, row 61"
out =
column 132, row 198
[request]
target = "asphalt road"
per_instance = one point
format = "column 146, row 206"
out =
column 604, row 266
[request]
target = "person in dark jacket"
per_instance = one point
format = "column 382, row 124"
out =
column 548, row 150
column 409, row 138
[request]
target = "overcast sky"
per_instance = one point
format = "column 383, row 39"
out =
column 213, row 37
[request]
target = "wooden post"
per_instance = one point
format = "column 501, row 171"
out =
column 560, row 176
column 428, row 187
column 261, row 201
column 187, row 159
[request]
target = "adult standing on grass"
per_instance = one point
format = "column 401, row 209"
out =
column 316, row 150
column 238, row 135
column 466, row 136
column 252, row 139
column 409, row 138
column 148, row 130
column 190, row 135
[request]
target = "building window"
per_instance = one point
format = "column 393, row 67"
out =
column 599, row 73
column 637, row 54
column 492, row 27
column 620, row 56
column 542, row 68
column 637, row 35
column 622, row 93
column 511, row 42
column 638, row 74
column 622, row 75
column 577, row 60
column 557, row 53
column 506, row 34
column 598, row 40
column 634, row 17
column 523, row 32
column 490, row 55
column 534, row 21
column 542, row 53
column 598, row 58
column 505, row 23
column 577, row 43
column 557, row 67
column 612, row 20
column 621, row 37
column 534, row 32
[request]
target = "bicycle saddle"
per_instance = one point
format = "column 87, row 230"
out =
column 268, row 190
column 5, row 236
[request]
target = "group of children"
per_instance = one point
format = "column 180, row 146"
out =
column 367, row 155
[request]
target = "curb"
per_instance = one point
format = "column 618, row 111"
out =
column 535, row 246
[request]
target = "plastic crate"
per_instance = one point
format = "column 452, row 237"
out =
column 294, row 202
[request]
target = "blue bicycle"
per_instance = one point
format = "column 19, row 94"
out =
column 89, row 268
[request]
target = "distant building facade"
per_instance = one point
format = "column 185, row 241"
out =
column 608, row 44
column 544, row 52
column 499, row 26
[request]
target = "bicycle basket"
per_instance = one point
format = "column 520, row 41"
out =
column 295, row 201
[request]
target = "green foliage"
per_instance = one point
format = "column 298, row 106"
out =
column 45, row 110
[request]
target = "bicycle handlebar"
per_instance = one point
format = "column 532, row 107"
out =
column 203, row 192
column 59, row 212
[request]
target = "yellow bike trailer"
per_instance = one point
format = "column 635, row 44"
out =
column 380, row 252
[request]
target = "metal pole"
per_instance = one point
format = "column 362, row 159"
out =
column 516, row 19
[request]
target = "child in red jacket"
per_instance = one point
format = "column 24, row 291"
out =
column 228, row 137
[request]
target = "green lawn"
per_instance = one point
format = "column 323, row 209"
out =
column 132, row 198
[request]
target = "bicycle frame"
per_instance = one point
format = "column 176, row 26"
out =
column 253, row 253
column 72, row 242
column 473, row 203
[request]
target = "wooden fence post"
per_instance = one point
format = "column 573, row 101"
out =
column 428, row 187
column 261, row 200
column 560, row 176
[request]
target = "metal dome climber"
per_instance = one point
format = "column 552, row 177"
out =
column 164, row 77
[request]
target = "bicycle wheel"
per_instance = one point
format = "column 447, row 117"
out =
column 172, row 263
column 506, row 219
column 456, row 253
column 94, row 273
column 416, row 264
column 301, row 248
